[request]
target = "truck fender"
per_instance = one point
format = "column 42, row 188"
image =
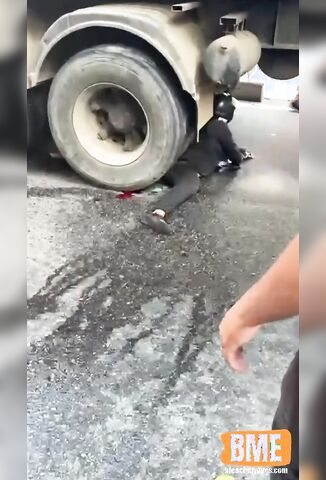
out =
column 174, row 35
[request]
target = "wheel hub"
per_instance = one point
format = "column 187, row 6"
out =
column 111, row 124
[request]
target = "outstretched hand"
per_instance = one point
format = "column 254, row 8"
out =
column 234, row 335
column 274, row 297
column 246, row 155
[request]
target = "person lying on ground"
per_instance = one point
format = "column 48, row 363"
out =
column 215, row 150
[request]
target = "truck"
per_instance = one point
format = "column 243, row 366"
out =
column 161, row 62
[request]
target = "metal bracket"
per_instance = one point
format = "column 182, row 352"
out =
column 185, row 7
column 233, row 21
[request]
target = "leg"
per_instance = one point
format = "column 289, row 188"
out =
column 185, row 183
column 287, row 417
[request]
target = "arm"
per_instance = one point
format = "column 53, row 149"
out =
column 313, row 287
column 231, row 149
column 274, row 297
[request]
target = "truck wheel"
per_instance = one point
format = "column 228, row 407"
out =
column 83, row 81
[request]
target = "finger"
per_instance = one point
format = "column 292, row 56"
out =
column 235, row 358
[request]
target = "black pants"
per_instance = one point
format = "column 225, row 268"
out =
column 185, row 183
column 287, row 417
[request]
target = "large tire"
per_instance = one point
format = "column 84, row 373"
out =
column 137, row 74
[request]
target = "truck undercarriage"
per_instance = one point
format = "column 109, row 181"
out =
column 177, row 52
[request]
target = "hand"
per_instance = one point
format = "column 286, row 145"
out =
column 246, row 155
column 235, row 334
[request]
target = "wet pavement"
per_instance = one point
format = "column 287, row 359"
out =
column 126, row 380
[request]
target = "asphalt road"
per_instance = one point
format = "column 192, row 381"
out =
column 126, row 380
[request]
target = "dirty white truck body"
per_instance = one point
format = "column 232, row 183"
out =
column 152, row 55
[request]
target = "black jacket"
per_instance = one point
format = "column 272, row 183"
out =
column 216, row 144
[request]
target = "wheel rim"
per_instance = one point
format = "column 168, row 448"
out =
column 88, row 124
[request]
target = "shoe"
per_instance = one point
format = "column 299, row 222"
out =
column 156, row 223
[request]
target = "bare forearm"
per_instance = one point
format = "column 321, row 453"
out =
column 313, row 287
column 276, row 295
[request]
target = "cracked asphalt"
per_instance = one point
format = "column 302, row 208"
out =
column 125, row 375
